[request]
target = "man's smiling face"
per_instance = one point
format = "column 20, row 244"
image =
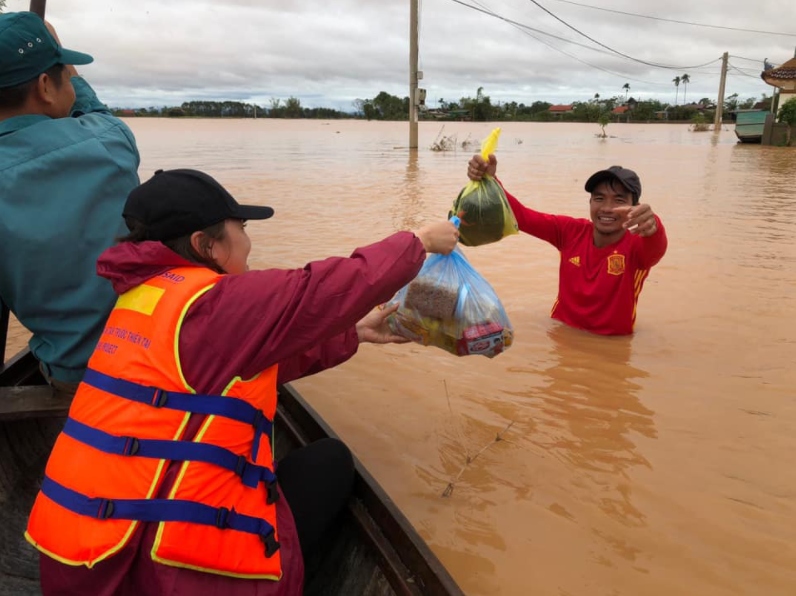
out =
column 605, row 197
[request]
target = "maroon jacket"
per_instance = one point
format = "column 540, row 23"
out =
column 303, row 320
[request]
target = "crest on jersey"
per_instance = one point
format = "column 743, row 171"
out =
column 616, row 264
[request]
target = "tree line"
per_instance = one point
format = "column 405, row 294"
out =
column 291, row 108
column 480, row 108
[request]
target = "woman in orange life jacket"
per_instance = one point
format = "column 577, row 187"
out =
column 163, row 479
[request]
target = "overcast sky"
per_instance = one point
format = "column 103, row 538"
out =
column 330, row 52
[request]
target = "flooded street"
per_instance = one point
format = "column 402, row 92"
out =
column 657, row 464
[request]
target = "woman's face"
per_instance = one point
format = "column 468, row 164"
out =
column 232, row 253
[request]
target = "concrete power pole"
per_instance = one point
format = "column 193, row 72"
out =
column 720, row 102
column 413, row 74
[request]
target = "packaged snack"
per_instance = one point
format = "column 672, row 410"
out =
column 449, row 305
column 429, row 299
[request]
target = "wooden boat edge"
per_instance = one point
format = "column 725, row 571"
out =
column 398, row 544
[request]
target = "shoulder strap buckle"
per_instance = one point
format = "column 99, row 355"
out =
column 271, row 544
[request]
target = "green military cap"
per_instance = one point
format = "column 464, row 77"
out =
column 27, row 49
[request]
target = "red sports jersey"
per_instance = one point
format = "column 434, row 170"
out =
column 598, row 288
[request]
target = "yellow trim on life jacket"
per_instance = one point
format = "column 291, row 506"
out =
column 177, row 330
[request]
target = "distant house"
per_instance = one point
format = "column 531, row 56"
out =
column 622, row 113
column 127, row 113
column 784, row 77
column 559, row 110
column 662, row 115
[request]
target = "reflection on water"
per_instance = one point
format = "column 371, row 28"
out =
column 590, row 412
column 409, row 205
column 655, row 465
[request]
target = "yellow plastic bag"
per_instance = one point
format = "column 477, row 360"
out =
column 482, row 206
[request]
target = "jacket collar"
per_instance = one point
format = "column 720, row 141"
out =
column 16, row 123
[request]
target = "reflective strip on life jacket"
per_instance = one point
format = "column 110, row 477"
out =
column 228, row 407
column 161, row 510
column 250, row 474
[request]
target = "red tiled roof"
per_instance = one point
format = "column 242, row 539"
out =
column 560, row 108
column 620, row 110
column 785, row 71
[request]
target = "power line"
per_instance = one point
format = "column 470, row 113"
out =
column 742, row 58
column 743, row 73
column 523, row 29
column 617, row 51
column 529, row 28
column 564, row 39
column 754, row 71
column 642, row 16
column 749, row 71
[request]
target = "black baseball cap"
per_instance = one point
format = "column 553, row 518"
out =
column 175, row 203
column 628, row 178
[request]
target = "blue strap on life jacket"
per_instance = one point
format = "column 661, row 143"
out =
column 217, row 405
column 250, row 474
column 161, row 510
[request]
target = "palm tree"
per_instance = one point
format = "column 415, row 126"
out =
column 626, row 87
column 685, row 79
column 676, row 81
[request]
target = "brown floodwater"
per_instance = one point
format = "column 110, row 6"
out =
column 657, row 464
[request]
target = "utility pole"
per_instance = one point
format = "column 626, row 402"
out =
column 413, row 74
column 38, row 7
column 720, row 102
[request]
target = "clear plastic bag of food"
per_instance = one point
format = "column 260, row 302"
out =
column 483, row 208
column 451, row 306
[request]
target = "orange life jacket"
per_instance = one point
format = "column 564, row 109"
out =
column 126, row 425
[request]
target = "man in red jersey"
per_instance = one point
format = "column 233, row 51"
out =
column 605, row 261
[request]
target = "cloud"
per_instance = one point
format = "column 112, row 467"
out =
column 330, row 53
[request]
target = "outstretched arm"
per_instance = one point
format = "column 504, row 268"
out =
column 303, row 319
column 542, row 225
column 373, row 328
